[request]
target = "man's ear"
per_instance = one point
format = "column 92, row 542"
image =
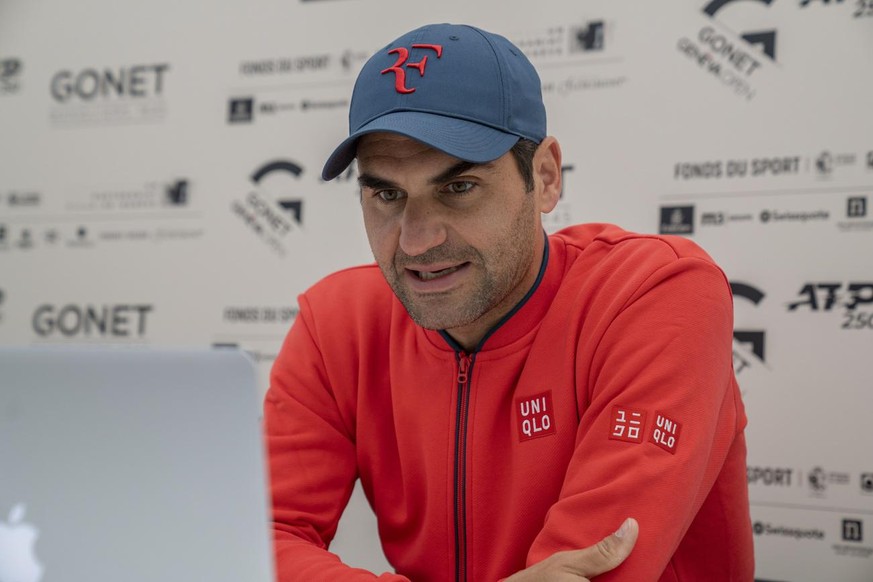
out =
column 547, row 173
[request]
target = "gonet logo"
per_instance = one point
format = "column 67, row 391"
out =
column 730, row 58
column 294, row 206
column 109, row 96
column 268, row 209
column 118, row 321
column 138, row 81
column 748, row 340
column 765, row 40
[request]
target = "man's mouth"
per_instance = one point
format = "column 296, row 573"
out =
column 434, row 274
column 431, row 275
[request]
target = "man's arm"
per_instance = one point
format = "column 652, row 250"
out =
column 660, row 418
column 312, row 461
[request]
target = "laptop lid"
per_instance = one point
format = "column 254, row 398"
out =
column 128, row 464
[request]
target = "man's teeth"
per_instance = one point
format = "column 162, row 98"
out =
column 430, row 276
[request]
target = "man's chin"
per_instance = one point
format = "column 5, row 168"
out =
column 426, row 318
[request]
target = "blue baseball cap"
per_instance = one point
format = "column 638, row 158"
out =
column 469, row 93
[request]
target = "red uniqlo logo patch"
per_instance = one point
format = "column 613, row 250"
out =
column 665, row 433
column 627, row 424
column 535, row 416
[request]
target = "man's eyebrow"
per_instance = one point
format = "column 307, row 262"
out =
column 370, row 181
column 456, row 171
column 376, row 183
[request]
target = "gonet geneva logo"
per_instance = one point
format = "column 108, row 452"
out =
column 116, row 321
column 734, row 59
column 269, row 209
column 127, row 94
column 749, row 344
column 765, row 40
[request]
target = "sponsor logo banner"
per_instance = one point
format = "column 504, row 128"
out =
column 121, row 321
column 105, row 96
column 762, row 528
column 677, row 220
column 10, row 76
column 575, row 57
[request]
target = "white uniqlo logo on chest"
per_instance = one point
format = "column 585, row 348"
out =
column 665, row 433
column 535, row 418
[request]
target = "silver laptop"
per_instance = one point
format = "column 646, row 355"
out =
column 131, row 464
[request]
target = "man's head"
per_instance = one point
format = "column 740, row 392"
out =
column 448, row 127
column 463, row 91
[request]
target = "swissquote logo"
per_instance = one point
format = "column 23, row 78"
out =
column 18, row 562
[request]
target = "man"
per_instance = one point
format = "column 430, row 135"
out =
column 506, row 398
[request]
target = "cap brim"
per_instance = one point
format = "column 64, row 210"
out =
column 458, row 138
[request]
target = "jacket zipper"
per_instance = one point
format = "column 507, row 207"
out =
column 465, row 364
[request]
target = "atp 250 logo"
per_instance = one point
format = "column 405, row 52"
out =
column 854, row 299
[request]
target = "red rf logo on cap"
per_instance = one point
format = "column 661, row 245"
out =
column 402, row 57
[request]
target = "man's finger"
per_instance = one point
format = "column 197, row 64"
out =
column 609, row 552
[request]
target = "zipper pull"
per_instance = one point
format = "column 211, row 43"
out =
column 463, row 366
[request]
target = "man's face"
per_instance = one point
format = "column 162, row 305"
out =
column 460, row 244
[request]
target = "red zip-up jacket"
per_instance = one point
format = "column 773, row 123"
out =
column 608, row 392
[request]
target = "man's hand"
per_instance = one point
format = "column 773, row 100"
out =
column 581, row 565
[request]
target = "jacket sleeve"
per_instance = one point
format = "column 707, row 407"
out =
column 312, row 462
column 659, row 412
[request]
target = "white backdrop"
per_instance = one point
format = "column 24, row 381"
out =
column 159, row 185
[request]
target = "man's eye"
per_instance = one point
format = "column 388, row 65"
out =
column 460, row 187
column 389, row 195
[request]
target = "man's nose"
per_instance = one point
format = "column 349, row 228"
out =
column 421, row 228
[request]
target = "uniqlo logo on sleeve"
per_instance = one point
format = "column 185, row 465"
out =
column 627, row 424
column 665, row 433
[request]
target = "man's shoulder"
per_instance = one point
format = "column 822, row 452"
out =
column 351, row 281
column 615, row 239
column 360, row 288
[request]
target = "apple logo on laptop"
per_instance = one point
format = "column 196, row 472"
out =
column 18, row 561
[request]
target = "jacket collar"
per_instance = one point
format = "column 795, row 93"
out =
column 527, row 314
